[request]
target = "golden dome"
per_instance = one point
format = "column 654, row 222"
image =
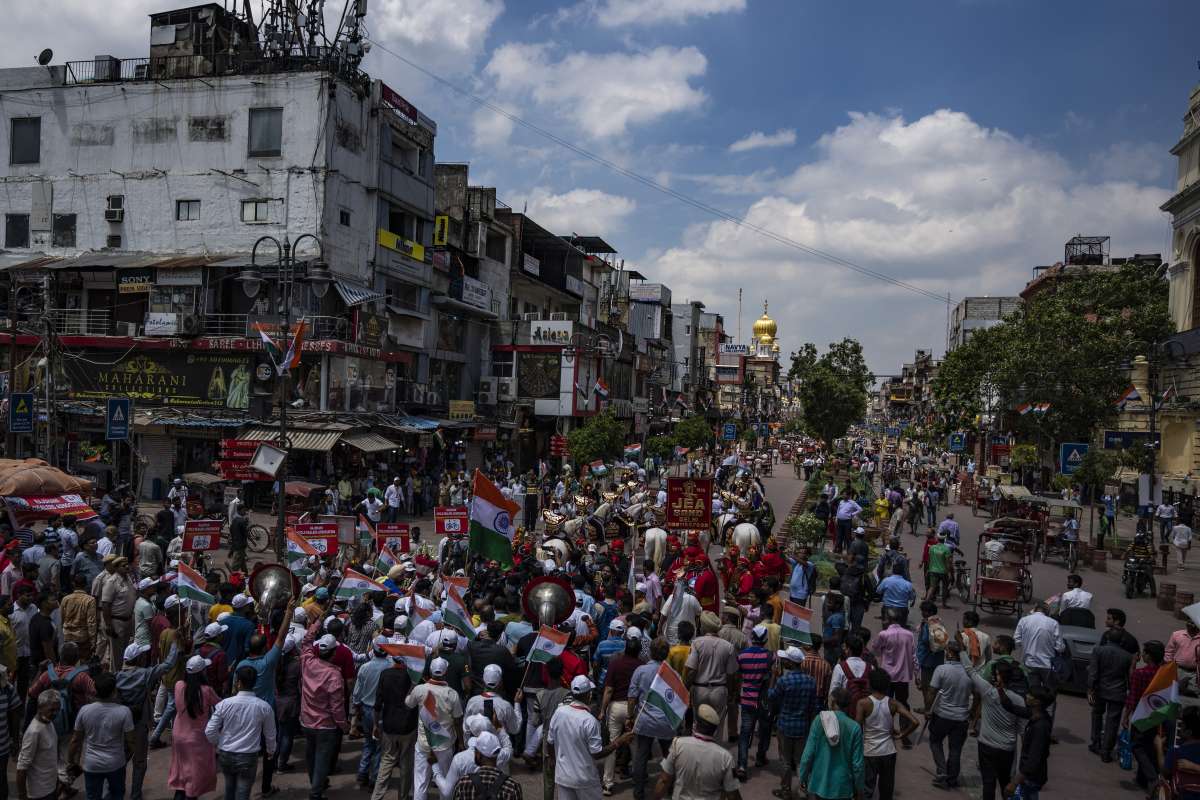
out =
column 764, row 327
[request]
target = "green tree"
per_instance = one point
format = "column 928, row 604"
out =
column 832, row 387
column 1096, row 469
column 693, row 433
column 601, row 437
column 661, row 447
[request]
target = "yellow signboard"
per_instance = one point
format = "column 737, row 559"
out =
column 462, row 409
column 399, row 244
column 441, row 230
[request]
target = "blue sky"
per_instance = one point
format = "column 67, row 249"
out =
column 953, row 144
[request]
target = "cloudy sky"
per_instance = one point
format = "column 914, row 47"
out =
column 950, row 144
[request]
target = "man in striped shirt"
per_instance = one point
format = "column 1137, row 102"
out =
column 754, row 670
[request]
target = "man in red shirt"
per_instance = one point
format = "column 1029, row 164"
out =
column 572, row 664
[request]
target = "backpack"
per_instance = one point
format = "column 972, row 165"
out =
column 938, row 635
column 65, row 720
column 858, row 687
column 491, row 792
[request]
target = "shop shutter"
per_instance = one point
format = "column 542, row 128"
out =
column 158, row 453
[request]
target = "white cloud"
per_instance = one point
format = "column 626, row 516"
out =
column 754, row 183
column 602, row 94
column 940, row 202
column 785, row 137
column 582, row 211
column 618, row 13
column 489, row 130
column 442, row 35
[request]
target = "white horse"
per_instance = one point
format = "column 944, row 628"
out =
column 557, row 549
column 746, row 534
column 656, row 544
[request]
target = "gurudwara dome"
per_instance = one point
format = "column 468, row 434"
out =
column 764, row 327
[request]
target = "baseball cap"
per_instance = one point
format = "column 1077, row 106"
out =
column 591, row 548
column 438, row 667
column 322, row 593
column 616, row 625
column 299, row 614
column 241, row 601
column 327, row 643
column 487, row 744
column 859, row 531
column 197, row 664
column 492, row 675
column 795, row 654
column 633, row 633
column 171, row 601
column 214, row 629
column 381, row 640
column 449, row 638
column 134, row 650
column 582, row 684
column 146, row 583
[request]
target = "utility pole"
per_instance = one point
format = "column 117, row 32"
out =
column 49, row 375
column 10, row 443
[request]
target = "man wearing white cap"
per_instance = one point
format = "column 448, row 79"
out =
column 322, row 706
column 438, row 733
column 697, row 766
column 576, row 744
column 491, row 705
column 136, row 686
column 486, row 780
column 474, row 729
column 363, row 700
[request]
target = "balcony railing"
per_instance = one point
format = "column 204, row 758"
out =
column 117, row 70
column 80, row 321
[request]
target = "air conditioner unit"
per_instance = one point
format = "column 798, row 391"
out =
column 114, row 215
column 116, row 202
column 125, row 328
column 191, row 325
column 532, row 316
column 487, row 391
column 560, row 316
column 507, row 388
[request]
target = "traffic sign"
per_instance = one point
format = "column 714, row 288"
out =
column 20, row 412
column 958, row 442
column 1070, row 456
column 729, row 432
column 116, row 418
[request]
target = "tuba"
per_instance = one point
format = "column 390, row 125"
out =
column 549, row 599
column 272, row 585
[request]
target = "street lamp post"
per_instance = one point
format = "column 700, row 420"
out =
column 318, row 276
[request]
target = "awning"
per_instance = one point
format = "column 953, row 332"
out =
column 355, row 295
column 368, row 442
column 316, row 441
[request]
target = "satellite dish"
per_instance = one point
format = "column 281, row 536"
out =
column 45, row 56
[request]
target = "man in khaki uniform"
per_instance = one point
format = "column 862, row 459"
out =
column 117, row 598
column 711, row 667
column 97, row 589
column 79, row 618
column 697, row 767
column 731, row 632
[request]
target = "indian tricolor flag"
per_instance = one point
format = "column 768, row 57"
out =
column 549, row 645
column 437, row 735
column 416, row 617
column 413, row 656
column 668, row 694
column 188, row 583
column 796, row 623
column 298, row 551
column 455, row 614
column 385, row 560
column 491, row 522
column 355, row 584
column 633, row 450
column 1128, row 395
column 1160, row 701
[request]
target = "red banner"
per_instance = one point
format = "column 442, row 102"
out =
column 689, row 503
column 393, row 535
column 29, row 508
column 450, row 520
column 240, row 471
column 202, row 534
column 242, row 449
column 558, row 445
column 323, row 536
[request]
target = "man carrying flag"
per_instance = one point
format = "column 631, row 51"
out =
column 1153, row 699
column 298, row 553
column 491, row 522
column 354, row 585
column 438, row 728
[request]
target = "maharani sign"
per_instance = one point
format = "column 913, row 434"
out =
column 689, row 503
column 196, row 380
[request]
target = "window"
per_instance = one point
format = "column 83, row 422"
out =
column 113, row 242
column 687, row 330
column 405, row 155
column 25, row 144
column 187, row 210
column 63, row 233
column 16, row 230
column 407, row 225
column 344, row 217
column 254, row 211
column 266, row 132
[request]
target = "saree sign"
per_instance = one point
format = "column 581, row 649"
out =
column 193, row 380
column 689, row 503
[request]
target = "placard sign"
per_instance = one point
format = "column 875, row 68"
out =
column 450, row 520
column 392, row 535
column 689, row 503
column 323, row 536
column 202, row 534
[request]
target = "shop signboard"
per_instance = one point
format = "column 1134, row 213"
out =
column 485, row 433
column 462, row 409
column 187, row 276
column 135, row 281
column 450, row 520
column 531, row 265
column 689, row 503
column 190, row 380
column 372, row 328
column 393, row 535
column 323, row 536
column 159, row 323
column 558, row 446
column 542, row 332
column 202, row 534
column 735, row 349
column 1124, row 440
column 117, row 412
column 239, row 448
column 20, row 412
column 239, row 471
column 476, row 293
column 729, row 431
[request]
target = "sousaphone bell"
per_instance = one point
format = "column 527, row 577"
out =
column 549, row 599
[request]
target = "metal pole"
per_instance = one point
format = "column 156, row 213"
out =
column 10, row 448
column 285, row 294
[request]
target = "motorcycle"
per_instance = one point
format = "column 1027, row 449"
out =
column 1138, row 575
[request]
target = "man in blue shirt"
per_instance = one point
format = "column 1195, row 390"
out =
column 264, row 662
column 614, row 644
column 898, row 593
column 847, row 510
column 794, row 699
column 241, row 628
column 950, row 527
column 803, row 580
column 363, row 699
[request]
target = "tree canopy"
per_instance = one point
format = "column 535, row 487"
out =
column 601, row 437
column 832, row 387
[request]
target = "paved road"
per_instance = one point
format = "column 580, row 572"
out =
column 1073, row 769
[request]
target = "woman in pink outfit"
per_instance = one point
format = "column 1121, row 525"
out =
column 193, row 758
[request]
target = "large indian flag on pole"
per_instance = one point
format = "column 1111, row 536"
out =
column 668, row 694
column 549, row 645
column 436, row 734
column 355, row 584
column 1160, row 701
column 298, row 551
column 796, row 623
column 455, row 614
column 414, row 658
column 188, row 584
column 491, row 522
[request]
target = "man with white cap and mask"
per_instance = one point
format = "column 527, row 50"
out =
column 576, row 745
column 491, row 705
column 486, row 779
column 438, row 735
column 697, row 766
